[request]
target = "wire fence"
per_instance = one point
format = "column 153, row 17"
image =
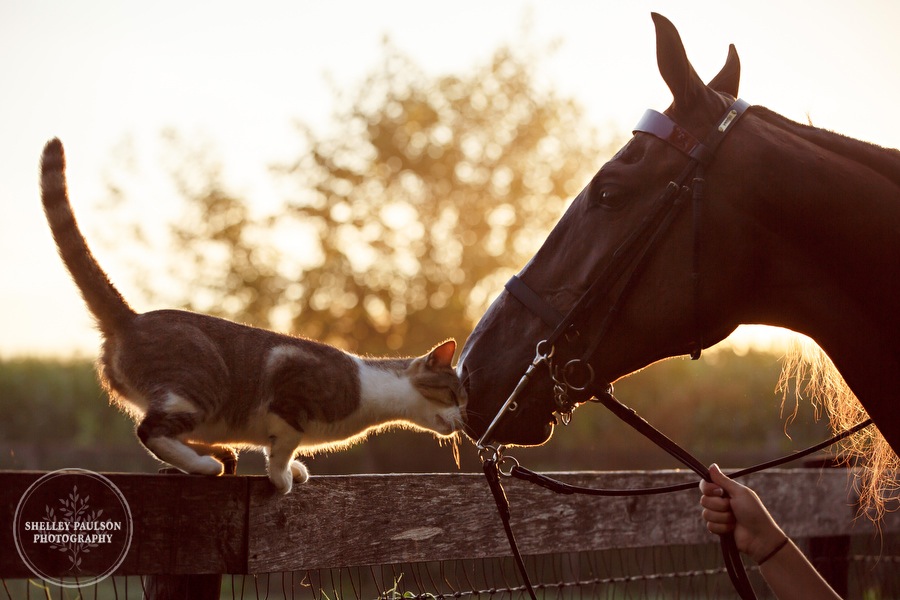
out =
column 871, row 571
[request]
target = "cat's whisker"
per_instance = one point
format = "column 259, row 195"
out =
column 453, row 441
column 468, row 376
column 475, row 413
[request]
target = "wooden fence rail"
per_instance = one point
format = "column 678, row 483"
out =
column 238, row 524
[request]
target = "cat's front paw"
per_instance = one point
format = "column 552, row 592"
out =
column 299, row 471
column 206, row 465
column 282, row 480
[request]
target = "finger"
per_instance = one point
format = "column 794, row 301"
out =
column 719, row 478
column 708, row 488
column 719, row 528
column 715, row 516
column 714, row 503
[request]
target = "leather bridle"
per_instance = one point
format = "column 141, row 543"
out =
column 627, row 262
column 577, row 375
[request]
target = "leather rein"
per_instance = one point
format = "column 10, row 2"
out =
column 577, row 374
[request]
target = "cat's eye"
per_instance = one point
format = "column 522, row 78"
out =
column 439, row 393
column 448, row 398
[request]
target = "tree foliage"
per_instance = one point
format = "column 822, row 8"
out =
column 428, row 195
column 223, row 259
column 424, row 195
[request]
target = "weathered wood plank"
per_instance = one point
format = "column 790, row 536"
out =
column 367, row 520
column 182, row 524
column 188, row 524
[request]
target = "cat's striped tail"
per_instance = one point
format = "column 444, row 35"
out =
column 102, row 298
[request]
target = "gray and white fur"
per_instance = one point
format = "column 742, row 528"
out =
column 196, row 384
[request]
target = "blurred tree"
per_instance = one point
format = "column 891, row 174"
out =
column 427, row 195
column 424, row 196
column 222, row 260
column 228, row 268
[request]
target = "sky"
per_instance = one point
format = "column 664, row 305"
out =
column 107, row 77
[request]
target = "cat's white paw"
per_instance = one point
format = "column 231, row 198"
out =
column 206, row 465
column 299, row 471
column 282, row 480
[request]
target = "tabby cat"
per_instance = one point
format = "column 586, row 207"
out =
column 196, row 384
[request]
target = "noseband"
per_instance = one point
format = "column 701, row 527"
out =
column 627, row 261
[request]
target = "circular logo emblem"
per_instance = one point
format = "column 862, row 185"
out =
column 72, row 527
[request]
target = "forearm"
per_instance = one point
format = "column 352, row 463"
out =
column 790, row 575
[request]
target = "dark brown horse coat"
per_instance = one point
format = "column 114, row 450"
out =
column 799, row 228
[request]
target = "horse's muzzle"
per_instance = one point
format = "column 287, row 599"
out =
column 530, row 424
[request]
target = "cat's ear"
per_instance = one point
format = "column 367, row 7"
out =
column 441, row 356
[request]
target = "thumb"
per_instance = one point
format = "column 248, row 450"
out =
column 723, row 481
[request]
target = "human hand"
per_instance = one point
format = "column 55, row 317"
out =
column 730, row 507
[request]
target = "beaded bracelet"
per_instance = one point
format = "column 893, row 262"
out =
column 773, row 552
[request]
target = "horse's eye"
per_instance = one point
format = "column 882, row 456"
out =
column 609, row 197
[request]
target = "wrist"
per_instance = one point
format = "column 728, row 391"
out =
column 772, row 551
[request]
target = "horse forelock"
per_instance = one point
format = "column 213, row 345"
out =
column 809, row 372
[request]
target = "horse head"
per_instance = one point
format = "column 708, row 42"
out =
column 648, row 305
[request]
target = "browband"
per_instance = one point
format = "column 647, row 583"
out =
column 659, row 125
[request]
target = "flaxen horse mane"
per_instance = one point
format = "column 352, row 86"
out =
column 809, row 371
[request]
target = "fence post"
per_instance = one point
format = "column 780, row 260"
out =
column 195, row 587
column 831, row 554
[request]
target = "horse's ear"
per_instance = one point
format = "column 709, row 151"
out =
column 674, row 66
column 729, row 78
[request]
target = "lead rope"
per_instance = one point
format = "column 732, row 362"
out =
column 730, row 553
column 732, row 558
column 492, row 473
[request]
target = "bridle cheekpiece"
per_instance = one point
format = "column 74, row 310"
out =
column 577, row 375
